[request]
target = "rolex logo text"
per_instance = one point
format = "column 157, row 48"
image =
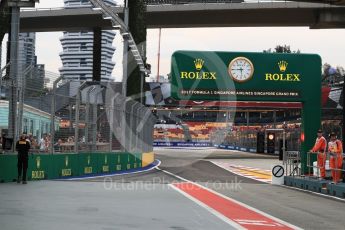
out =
column 282, row 76
column 198, row 74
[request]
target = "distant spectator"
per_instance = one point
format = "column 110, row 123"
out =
column 42, row 143
column 57, row 145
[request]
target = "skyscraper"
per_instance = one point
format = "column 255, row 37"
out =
column 33, row 74
column 27, row 49
column 76, row 57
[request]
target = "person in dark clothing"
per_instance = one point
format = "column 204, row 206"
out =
column 23, row 147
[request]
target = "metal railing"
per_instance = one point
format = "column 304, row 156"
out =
column 292, row 163
column 311, row 166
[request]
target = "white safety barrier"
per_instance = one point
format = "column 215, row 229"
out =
column 278, row 172
column 316, row 170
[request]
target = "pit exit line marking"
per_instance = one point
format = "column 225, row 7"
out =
column 265, row 221
column 243, row 215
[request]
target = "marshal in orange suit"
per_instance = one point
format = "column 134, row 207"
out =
column 320, row 148
column 335, row 149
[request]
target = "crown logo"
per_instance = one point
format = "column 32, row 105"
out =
column 282, row 66
column 66, row 161
column 198, row 64
column 38, row 162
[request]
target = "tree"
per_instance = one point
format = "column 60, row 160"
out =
column 332, row 75
column 281, row 49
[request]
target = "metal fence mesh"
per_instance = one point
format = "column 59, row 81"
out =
column 60, row 115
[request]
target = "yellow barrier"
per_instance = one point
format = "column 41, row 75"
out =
column 147, row 158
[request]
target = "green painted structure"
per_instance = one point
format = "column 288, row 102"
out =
column 206, row 76
column 48, row 166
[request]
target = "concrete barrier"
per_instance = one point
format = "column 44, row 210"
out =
column 48, row 166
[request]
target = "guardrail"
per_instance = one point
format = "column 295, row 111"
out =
column 311, row 167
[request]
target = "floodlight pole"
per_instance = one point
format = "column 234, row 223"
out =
column 14, row 64
column 52, row 114
column 13, row 97
column 125, row 52
column 125, row 77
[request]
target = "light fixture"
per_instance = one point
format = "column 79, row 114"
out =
column 96, row 8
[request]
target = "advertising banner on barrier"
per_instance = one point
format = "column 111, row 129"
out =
column 181, row 144
column 65, row 165
column 48, row 166
column 40, row 167
column 8, row 168
column 231, row 147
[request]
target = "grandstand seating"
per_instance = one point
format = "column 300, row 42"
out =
column 199, row 131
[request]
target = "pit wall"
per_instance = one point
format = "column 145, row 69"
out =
column 59, row 166
column 232, row 147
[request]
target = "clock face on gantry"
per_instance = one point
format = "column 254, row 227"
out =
column 241, row 69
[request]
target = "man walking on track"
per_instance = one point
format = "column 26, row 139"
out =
column 320, row 149
column 335, row 149
column 23, row 147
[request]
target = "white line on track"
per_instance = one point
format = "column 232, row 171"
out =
column 315, row 193
column 211, row 210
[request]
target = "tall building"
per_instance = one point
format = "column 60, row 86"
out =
column 27, row 49
column 77, row 54
column 33, row 73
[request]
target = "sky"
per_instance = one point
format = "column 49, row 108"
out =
column 327, row 43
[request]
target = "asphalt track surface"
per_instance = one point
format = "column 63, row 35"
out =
column 303, row 209
column 157, row 199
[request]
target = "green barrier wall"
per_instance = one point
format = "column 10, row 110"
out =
column 47, row 166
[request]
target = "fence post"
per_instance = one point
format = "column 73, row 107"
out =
column 77, row 107
column 87, row 112
column 94, row 120
column 52, row 114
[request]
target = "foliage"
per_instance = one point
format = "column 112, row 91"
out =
column 332, row 75
column 281, row 49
